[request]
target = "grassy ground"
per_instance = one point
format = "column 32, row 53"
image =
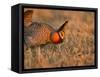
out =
column 77, row 48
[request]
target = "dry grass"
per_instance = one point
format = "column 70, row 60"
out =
column 77, row 48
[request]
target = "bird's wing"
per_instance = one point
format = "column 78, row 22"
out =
column 38, row 33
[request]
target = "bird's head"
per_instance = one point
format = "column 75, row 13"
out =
column 58, row 36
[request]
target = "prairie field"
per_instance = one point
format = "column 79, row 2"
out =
column 78, row 47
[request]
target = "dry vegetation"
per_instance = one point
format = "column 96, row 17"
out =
column 77, row 48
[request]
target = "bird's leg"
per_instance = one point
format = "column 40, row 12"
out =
column 59, row 47
column 38, row 54
column 28, row 58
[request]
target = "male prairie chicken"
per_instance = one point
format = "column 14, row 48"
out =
column 37, row 33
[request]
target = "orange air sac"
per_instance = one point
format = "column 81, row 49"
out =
column 55, row 38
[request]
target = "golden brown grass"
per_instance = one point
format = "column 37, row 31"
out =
column 78, row 46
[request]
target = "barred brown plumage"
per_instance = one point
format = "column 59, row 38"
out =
column 41, row 33
column 37, row 33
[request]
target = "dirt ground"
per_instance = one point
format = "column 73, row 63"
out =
column 78, row 47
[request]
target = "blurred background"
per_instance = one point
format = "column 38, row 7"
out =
column 78, row 47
